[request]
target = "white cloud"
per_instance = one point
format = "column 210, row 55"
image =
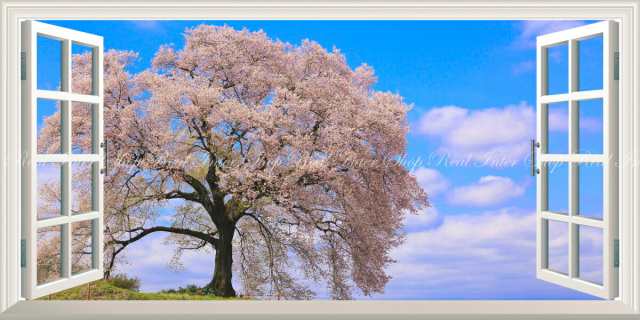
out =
column 493, row 125
column 441, row 119
column 491, row 136
column 486, row 255
column 149, row 260
column 530, row 29
column 487, row 191
column 523, row 67
column 466, row 255
column 494, row 135
column 425, row 218
column 559, row 120
column 471, row 235
column 526, row 39
column 48, row 173
column 431, row 181
column 591, row 124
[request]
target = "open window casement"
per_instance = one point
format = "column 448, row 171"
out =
column 577, row 227
column 62, row 158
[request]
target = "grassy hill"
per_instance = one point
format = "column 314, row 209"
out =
column 109, row 290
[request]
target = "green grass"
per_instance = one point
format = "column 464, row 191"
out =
column 105, row 290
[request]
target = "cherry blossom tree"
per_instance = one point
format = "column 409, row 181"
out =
column 280, row 159
column 122, row 209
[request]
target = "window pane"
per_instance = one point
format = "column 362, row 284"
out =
column 82, row 69
column 557, row 69
column 82, row 247
column 82, row 187
column 591, row 260
column 82, row 123
column 558, row 128
column 49, row 182
column 590, row 61
column 558, row 246
column 49, row 254
column 590, row 137
column 49, row 60
column 590, row 188
column 49, row 126
column 558, row 187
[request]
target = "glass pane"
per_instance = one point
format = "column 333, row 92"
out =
column 591, row 259
column 49, row 183
column 82, row 133
column 558, row 69
column 81, row 187
column 558, row 246
column 590, row 138
column 558, row 128
column 81, row 69
column 49, row 62
column 590, row 186
column 49, row 254
column 82, row 247
column 558, row 187
column 49, row 126
column 590, row 60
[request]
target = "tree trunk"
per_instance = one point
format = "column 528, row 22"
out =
column 221, row 284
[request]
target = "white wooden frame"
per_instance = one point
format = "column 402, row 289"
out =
column 626, row 12
column 31, row 30
column 608, row 30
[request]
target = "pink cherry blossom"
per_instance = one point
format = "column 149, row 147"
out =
column 283, row 156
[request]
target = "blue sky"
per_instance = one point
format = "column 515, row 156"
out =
column 472, row 85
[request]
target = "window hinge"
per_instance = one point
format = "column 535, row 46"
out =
column 616, row 253
column 23, row 253
column 616, row 65
column 23, row 65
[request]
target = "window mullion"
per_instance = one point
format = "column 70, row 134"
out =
column 67, row 116
column 573, row 125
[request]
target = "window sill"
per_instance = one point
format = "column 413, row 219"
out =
column 561, row 309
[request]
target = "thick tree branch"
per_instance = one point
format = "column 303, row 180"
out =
column 147, row 231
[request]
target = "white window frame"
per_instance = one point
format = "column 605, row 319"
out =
column 570, row 38
column 625, row 12
column 30, row 224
